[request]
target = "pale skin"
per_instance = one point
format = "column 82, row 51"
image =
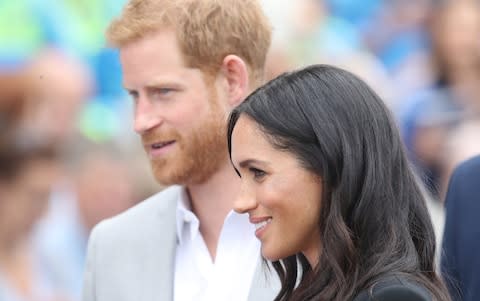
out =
column 172, row 97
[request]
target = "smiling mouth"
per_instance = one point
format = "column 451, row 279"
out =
column 262, row 224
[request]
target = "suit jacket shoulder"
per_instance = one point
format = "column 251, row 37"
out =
column 465, row 178
column 395, row 289
column 460, row 262
column 131, row 226
column 469, row 167
column 131, row 256
column 161, row 203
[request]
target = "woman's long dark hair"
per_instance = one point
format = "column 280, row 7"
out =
column 373, row 220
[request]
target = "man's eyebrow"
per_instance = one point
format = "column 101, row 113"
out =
column 155, row 83
column 124, row 86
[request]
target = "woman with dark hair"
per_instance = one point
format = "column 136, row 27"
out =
column 328, row 186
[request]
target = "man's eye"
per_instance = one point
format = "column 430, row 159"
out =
column 163, row 91
column 133, row 94
column 257, row 173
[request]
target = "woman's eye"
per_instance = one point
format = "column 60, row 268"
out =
column 257, row 173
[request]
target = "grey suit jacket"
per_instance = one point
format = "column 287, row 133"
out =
column 131, row 257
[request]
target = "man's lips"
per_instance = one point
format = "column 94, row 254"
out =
column 158, row 149
column 159, row 145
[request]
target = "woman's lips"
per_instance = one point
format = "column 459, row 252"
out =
column 261, row 224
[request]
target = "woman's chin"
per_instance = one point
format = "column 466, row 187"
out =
column 268, row 256
column 271, row 256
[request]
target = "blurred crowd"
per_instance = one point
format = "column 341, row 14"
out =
column 55, row 182
column 68, row 155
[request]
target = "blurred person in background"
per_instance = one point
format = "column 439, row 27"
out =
column 59, row 87
column 100, row 185
column 73, row 27
column 12, row 100
column 317, row 35
column 56, row 90
column 396, row 33
column 324, row 32
column 30, row 167
column 27, row 172
column 47, row 94
column 460, row 51
column 186, row 64
column 311, row 34
column 461, row 241
column 430, row 117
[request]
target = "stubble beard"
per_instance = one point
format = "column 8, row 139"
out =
column 199, row 155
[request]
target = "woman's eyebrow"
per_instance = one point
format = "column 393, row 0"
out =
column 248, row 162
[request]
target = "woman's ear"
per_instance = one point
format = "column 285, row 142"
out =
column 235, row 71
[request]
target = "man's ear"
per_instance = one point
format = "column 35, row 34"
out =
column 235, row 72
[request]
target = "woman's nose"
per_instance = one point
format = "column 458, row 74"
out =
column 244, row 202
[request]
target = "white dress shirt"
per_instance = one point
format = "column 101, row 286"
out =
column 197, row 277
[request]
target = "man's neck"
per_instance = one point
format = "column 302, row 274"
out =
column 212, row 201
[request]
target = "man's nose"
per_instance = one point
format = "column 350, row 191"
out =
column 146, row 117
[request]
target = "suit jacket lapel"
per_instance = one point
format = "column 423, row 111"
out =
column 158, row 265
